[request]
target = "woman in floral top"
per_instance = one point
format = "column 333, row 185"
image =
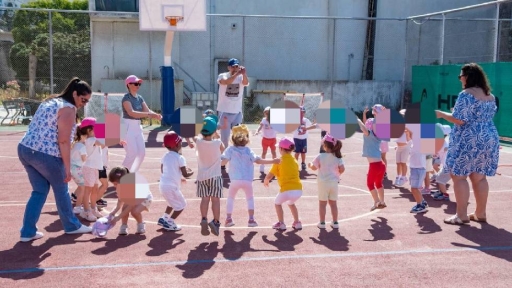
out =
column 45, row 152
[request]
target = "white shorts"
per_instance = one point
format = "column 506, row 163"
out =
column 327, row 191
column 429, row 165
column 91, row 176
column 402, row 154
column 384, row 147
column 443, row 178
column 173, row 197
column 290, row 197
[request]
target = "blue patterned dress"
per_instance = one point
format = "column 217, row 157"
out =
column 474, row 146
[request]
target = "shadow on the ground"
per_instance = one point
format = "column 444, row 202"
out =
column 381, row 230
column 332, row 240
column 489, row 239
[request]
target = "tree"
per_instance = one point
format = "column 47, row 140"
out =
column 71, row 43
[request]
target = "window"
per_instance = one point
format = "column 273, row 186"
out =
column 117, row 5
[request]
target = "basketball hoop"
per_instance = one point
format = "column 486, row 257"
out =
column 173, row 20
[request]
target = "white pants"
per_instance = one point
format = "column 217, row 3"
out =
column 135, row 146
column 236, row 185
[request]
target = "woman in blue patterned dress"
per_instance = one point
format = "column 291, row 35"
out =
column 45, row 152
column 474, row 143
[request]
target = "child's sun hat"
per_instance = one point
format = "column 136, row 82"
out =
column 286, row 143
column 329, row 138
column 101, row 227
column 88, row 121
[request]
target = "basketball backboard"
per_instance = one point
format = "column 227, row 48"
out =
column 172, row 15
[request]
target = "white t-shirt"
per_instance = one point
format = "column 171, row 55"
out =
column 301, row 132
column 94, row 158
column 267, row 130
column 417, row 159
column 327, row 165
column 172, row 163
column 230, row 96
column 208, row 158
column 442, row 152
column 104, row 154
column 76, row 154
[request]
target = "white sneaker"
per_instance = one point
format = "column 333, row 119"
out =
column 78, row 209
column 172, row 226
column 321, row 225
column 141, row 228
column 87, row 215
column 335, row 225
column 38, row 235
column 96, row 213
column 82, row 230
column 123, row 230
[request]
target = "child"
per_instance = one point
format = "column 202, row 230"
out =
column 403, row 149
column 103, row 178
column 268, row 139
column 384, row 145
column 429, row 169
column 127, row 205
column 174, row 171
column 330, row 166
column 377, row 168
column 78, row 157
column 442, row 178
column 418, row 170
column 241, row 171
column 300, row 137
column 91, row 169
column 287, row 174
column 209, row 175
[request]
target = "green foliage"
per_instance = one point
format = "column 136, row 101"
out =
column 71, row 41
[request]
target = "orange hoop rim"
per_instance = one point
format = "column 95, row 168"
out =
column 176, row 18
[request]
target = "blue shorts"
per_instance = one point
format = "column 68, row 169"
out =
column 417, row 177
column 301, row 145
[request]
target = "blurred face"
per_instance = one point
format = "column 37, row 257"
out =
column 134, row 87
column 82, row 100
column 233, row 69
column 462, row 78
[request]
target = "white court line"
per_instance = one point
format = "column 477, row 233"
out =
column 10, row 157
column 340, row 185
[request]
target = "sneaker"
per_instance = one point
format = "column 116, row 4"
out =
column 204, row 228
column 297, row 225
column 435, row 194
column 424, row 203
column 441, row 197
column 252, row 223
column 87, row 215
column 96, row 213
column 404, row 180
column 385, row 175
column 78, row 210
column 215, row 227
column 321, row 225
column 335, row 225
column 141, row 228
column 123, row 230
column 262, row 168
column 101, row 203
column 279, row 226
column 73, row 197
column 419, row 208
column 38, row 235
column 382, row 205
column 398, row 181
column 82, row 230
column 170, row 225
column 229, row 222
column 303, row 166
column 161, row 222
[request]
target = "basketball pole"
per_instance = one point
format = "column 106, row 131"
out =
column 167, row 96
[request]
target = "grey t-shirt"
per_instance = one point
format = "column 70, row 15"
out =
column 136, row 104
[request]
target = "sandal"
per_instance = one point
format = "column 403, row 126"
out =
column 382, row 205
column 473, row 217
column 455, row 220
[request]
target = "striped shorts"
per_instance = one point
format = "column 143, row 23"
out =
column 210, row 187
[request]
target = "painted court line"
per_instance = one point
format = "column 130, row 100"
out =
column 254, row 259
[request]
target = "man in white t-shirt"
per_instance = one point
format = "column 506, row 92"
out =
column 231, row 90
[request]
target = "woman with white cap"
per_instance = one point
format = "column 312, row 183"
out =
column 134, row 109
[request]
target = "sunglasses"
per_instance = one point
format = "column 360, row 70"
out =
column 136, row 84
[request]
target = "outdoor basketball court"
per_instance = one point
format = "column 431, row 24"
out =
column 388, row 248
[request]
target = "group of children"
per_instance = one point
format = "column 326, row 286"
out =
column 212, row 155
column 407, row 152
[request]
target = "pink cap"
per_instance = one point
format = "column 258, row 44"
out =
column 329, row 138
column 286, row 143
column 132, row 79
column 88, row 121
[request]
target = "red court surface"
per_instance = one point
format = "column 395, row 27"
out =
column 385, row 248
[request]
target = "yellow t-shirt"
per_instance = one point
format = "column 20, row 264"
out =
column 287, row 173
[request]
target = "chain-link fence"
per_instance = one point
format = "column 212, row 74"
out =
column 359, row 61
